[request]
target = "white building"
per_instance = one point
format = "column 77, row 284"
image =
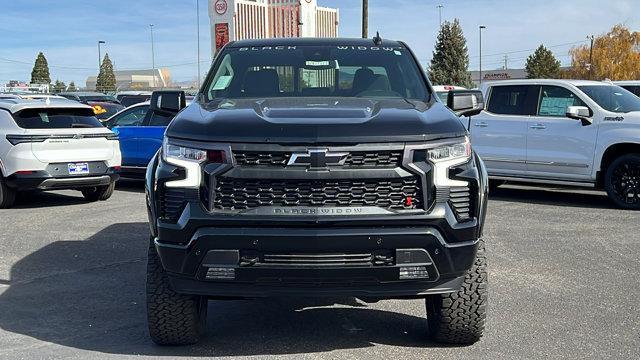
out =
column 256, row 19
column 137, row 79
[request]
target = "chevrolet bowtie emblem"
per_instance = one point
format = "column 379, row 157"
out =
column 317, row 158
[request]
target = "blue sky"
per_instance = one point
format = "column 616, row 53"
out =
column 67, row 31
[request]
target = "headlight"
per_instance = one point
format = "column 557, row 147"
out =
column 180, row 153
column 451, row 152
column 191, row 160
column 170, row 151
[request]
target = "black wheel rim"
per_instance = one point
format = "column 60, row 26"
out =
column 625, row 182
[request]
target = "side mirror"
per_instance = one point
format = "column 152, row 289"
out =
column 581, row 113
column 168, row 101
column 465, row 102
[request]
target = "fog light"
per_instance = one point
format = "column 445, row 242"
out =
column 413, row 272
column 221, row 273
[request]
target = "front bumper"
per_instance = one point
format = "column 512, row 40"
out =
column 188, row 265
column 184, row 243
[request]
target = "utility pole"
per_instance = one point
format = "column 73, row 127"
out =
column 153, row 57
column 505, row 61
column 440, row 13
column 590, row 57
column 480, row 72
column 100, row 55
column 198, row 41
column 365, row 19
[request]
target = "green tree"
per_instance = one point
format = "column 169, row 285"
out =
column 542, row 64
column 58, row 87
column 40, row 73
column 450, row 62
column 72, row 86
column 106, row 78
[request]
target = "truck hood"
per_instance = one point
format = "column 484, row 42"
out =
column 314, row 121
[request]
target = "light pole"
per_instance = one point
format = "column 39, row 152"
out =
column 365, row 19
column 153, row 57
column 440, row 13
column 198, row 40
column 590, row 56
column 100, row 55
column 480, row 72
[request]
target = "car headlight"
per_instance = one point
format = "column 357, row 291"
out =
column 191, row 160
column 446, row 156
column 176, row 152
column 450, row 152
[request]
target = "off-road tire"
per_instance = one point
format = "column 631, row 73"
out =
column 7, row 195
column 99, row 193
column 632, row 164
column 458, row 318
column 173, row 319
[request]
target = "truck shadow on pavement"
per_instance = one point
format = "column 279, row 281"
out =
column 571, row 197
column 90, row 295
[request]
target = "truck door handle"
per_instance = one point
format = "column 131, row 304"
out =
column 481, row 124
column 538, row 126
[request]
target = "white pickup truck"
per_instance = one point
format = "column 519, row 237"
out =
column 564, row 132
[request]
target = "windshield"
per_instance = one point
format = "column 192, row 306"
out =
column 56, row 119
column 322, row 71
column 612, row 98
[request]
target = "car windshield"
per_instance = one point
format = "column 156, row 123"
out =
column 612, row 98
column 317, row 71
column 56, row 119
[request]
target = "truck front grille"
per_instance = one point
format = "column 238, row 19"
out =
column 355, row 159
column 391, row 194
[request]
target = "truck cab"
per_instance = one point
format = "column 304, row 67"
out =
column 563, row 132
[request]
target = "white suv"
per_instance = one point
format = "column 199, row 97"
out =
column 55, row 144
column 566, row 132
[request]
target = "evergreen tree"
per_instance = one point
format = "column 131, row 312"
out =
column 542, row 64
column 72, row 87
column 450, row 62
column 40, row 73
column 106, row 78
column 58, row 87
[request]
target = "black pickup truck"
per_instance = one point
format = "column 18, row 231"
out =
column 317, row 167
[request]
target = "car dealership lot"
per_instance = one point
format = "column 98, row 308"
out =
column 563, row 272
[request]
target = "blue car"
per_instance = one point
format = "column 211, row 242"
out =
column 140, row 130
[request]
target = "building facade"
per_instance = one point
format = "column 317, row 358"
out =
column 137, row 79
column 257, row 19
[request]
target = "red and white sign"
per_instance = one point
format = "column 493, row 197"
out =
column 221, row 7
column 222, row 35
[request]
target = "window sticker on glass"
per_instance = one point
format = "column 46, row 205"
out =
column 550, row 106
column 222, row 83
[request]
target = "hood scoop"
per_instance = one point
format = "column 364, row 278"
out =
column 317, row 111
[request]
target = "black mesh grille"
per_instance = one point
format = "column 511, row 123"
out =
column 461, row 202
column 254, row 158
column 393, row 194
column 355, row 159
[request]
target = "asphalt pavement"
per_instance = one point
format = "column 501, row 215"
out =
column 563, row 273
